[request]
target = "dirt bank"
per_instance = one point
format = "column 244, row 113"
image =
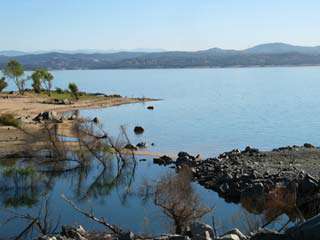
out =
column 31, row 104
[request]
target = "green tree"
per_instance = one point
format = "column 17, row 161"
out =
column 74, row 90
column 47, row 81
column 3, row 84
column 42, row 76
column 14, row 70
column 36, row 79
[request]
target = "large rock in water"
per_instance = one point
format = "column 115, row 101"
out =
column 163, row 160
column 138, row 130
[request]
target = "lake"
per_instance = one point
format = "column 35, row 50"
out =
column 205, row 111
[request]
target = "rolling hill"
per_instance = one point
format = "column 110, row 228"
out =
column 272, row 54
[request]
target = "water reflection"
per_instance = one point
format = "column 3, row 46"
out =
column 94, row 168
column 272, row 206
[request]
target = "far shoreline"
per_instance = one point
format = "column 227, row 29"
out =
column 183, row 68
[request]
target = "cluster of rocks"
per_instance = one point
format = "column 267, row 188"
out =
column 196, row 231
column 183, row 159
column 136, row 147
column 251, row 173
column 239, row 174
column 54, row 117
column 294, row 147
column 59, row 101
column 48, row 116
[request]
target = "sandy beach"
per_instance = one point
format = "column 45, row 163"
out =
column 29, row 106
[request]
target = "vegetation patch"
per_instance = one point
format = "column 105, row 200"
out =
column 11, row 171
column 9, row 120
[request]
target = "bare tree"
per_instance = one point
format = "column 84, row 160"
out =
column 174, row 194
column 41, row 223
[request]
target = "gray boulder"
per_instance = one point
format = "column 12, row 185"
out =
column 201, row 231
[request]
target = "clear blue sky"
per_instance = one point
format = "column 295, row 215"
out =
column 168, row 24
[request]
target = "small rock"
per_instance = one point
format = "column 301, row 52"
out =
column 308, row 145
column 131, row 147
column 138, row 130
column 141, row 145
column 150, row 107
column 163, row 160
column 95, row 120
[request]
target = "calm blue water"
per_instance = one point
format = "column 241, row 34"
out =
column 211, row 110
column 205, row 111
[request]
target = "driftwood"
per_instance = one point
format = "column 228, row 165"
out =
column 101, row 221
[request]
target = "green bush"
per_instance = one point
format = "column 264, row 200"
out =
column 11, row 171
column 59, row 90
column 9, row 120
column 74, row 90
column 36, row 85
column 3, row 84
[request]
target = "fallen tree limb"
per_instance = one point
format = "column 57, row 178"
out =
column 101, row 221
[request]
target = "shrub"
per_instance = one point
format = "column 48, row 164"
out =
column 3, row 84
column 59, row 90
column 74, row 90
column 9, row 120
column 36, row 85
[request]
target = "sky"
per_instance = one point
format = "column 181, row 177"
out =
column 31, row 25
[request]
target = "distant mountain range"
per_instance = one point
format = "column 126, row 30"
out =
column 272, row 54
column 14, row 53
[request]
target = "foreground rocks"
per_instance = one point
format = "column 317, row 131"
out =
column 308, row 230
column 279, row 180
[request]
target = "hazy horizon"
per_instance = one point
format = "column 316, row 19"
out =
column 37, row 25
column 89, row 50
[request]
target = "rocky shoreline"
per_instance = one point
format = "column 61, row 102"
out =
column 197, row 231
column 281, row 179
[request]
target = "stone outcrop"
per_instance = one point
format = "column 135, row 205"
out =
column 48, row 116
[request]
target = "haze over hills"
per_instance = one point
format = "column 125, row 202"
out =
column 14, row 53
column 272, row 54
